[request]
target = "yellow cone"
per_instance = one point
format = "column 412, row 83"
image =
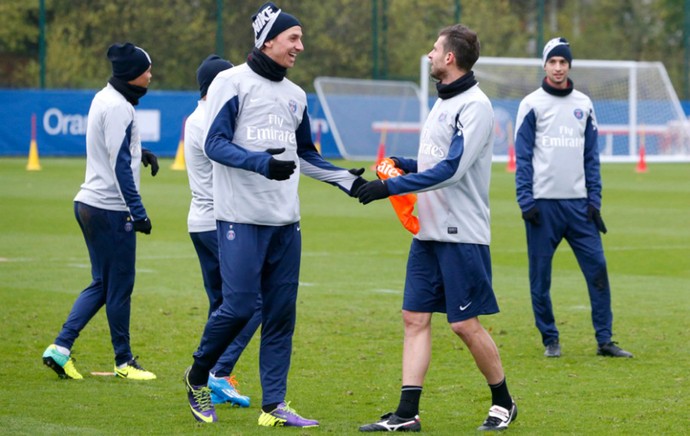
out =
column 178, row 163
column 33, row 164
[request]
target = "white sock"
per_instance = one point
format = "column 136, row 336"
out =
column 63, row 350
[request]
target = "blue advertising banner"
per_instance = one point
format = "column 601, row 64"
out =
column 61, row 121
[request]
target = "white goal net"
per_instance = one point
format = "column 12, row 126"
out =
column 635, row 103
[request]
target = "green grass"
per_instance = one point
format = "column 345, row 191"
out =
column 347, row 347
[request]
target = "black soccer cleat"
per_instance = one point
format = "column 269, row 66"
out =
column 499, row 418
column 610, row 349
column 392, row 422
column 553, row 350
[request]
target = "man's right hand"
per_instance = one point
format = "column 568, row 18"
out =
column 279, row 169
column 532, row 216
column 143, row 226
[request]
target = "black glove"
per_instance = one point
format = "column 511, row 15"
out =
column 358, row 182
column 593, row 214
column 147, row 157
column 532, row 216
column 279, row 169
column 143, row 226
column 374, row 190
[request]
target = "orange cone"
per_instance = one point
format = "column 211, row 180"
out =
column 179, row 163
column 33, row 164
column 641, row 164
column 510, row 166
column 381, row 152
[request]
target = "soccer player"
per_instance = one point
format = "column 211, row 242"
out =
column 259, row 138
column 449, row 264
column 202, row 229
column 109, row 211
column 558, row 186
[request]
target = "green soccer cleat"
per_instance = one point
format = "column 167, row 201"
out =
column 133, row 371
column 62, row 364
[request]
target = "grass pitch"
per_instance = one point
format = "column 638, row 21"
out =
column 347, row 348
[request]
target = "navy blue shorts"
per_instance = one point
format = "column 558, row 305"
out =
column 450, row 278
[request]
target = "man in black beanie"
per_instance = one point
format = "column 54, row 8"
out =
column 201, row 224
column 109, row 211
column 259, row 136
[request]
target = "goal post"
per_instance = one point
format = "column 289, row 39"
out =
column 635, row 104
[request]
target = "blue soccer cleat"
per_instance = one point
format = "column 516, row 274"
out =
column 224, row 390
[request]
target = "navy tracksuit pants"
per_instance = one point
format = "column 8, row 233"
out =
column 206, row 245
column 111, row 242
column 256, row 261
column 567, row 219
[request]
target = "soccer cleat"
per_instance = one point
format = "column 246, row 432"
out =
column 199, row 398
column 392, row 422
column 286, row 416
column 224, row 390
column 553, row 350
column 62, row 364
column 499, row 418
column 612, row 350
column 133, row 371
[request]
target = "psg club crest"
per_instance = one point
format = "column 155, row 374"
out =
column 442, row 117
column 578, row 113
column 128, row 226
column 231, row 234
column 293, row 106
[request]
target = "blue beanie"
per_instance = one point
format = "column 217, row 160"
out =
column 129, row 61
column 208, row 70
column 269, row 22
column 557, row 47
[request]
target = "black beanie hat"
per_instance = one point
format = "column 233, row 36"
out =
column 208, row 70
column 557, row 47
column 269, row 22
column 129, row 61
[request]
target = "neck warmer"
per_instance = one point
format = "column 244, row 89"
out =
column 264, row 66
column 555, row 91
column 132, row 93
column 454, row 88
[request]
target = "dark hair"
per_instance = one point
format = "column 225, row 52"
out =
column 463, row 43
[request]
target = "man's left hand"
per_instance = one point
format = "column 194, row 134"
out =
column 593, row 214
column 147, row 157
column 374, row 190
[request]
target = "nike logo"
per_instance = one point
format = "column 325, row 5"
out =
column 200, row 416
column 462, row 308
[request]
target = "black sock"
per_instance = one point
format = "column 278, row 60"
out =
column 500, row 395
column 409, row 401
column 268, row 408
column 197, row 376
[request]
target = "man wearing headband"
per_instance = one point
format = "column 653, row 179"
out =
column 259, row 138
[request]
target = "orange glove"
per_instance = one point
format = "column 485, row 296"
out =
column 402, row 204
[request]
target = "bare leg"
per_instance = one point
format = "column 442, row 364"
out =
column 416, row 347
column 482, row 347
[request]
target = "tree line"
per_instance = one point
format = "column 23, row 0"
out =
column 341, row 37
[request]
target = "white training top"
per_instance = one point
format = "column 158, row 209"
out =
column 113, row 155
column 199, row 172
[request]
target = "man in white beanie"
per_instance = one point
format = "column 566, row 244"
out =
column 558, row 184
column 258, row 136
column 109, row 211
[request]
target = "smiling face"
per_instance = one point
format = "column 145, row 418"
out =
column 285, row 47
column 557, row 68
